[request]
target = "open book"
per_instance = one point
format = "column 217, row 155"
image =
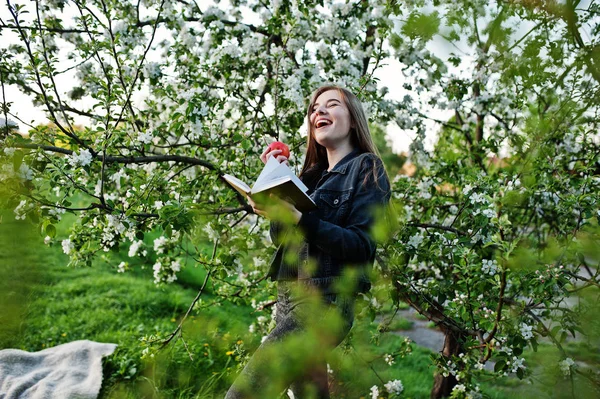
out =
column 278, row 179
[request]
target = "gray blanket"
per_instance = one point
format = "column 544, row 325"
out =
column 72, row 370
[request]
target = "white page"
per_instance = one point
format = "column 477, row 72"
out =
column 271, row 165
column 280, row 170
column 235, row 181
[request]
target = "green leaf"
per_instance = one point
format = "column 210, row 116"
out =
column 520, row 373
column 423, row 26
column 534, row 344
column 563, row 336
column 517, row 351
column 17, row 159
column 396, row 41
column 499, row 366
column 51, row 231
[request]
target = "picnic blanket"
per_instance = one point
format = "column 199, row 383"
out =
column 67, row 371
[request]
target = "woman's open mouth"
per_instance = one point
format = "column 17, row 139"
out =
column 322, row 123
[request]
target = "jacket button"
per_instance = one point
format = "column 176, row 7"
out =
column 336, row 201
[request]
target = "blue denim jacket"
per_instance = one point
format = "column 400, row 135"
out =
column 337, row 234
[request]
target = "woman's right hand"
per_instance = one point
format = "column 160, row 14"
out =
column 256, row 208
column 280, row 158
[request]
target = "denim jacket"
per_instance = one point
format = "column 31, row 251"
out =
column 337, row 234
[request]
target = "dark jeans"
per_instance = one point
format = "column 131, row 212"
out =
column 308, row 327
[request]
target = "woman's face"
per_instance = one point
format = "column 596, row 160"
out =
column 330, row 120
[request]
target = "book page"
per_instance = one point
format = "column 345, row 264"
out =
column 236, row 183
column 276, row 171
column 271, row 183
column 271, row 165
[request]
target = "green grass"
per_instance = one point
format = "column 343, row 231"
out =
column 43, row 303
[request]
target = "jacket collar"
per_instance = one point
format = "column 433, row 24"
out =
column 341, row 166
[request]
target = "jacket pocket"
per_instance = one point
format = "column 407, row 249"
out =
column 333, row 205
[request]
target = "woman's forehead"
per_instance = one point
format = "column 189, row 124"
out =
column 329, row 95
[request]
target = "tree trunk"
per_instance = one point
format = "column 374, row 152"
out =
column 442, row 386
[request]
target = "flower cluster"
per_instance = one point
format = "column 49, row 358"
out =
column 393, row 388
column 83, row 158
column 566, row 366
column 165, row 270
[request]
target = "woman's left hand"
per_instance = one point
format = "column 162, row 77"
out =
column 274, row 207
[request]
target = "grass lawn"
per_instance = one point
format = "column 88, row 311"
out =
column 43, row 303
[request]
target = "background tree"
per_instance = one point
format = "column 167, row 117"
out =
column 502, row 215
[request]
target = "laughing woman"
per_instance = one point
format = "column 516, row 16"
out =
column 320, row 275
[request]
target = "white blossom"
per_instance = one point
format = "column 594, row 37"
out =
column 152, row 70
column 118, row 27
column 134, row 248
column 490, row 213
column 477, row 198
column 566, row 365
column 84, row 158
column 212, row 234
column 47, row 240
column 489, row 267
column 57, row 212
column 374, row 392
column 459, row 388
column 389, row 359
column 394, row 387
column 175, row 266
column 67, row 246
column 517, row 364
column 116, row 177
column 145, row 137
column 121, row 267
column 25, row 172
column 21, row 210
column 157, row 267
column 159, row 244
column 415, row 240
column 526, row 331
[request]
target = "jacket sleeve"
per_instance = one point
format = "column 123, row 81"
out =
column 353, row 242
column 275, row 231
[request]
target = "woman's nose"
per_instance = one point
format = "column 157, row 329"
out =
column 321, row 109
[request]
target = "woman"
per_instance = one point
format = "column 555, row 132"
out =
column 323, row 256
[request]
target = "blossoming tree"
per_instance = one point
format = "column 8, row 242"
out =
column 497, row 226
column 500, row 223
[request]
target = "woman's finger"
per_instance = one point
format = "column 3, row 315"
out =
column 263, row 156
column 273, row 153
column 281, row 159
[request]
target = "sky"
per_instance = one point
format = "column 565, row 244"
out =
column 388, row 74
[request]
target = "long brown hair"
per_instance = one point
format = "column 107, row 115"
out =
column 360, row 136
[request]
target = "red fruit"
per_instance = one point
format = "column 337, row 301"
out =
column 278, row 145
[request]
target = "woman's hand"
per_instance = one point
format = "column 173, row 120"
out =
column 280, row 158
column 274, row 208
